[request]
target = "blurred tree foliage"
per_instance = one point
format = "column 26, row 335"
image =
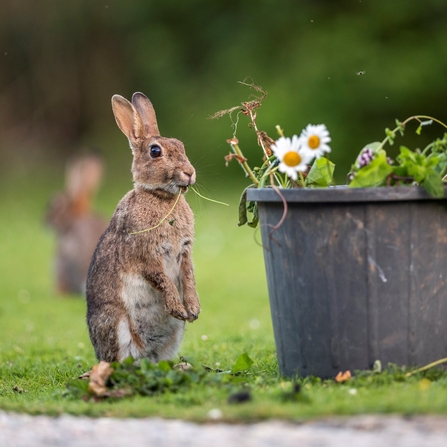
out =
column 355, row 65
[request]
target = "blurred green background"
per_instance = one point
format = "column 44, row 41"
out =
column 60, row 63
column 354, row 65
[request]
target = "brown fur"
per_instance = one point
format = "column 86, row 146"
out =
column 77, row 228
column 141, row 287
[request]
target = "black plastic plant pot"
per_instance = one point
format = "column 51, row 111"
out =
column 354, row 276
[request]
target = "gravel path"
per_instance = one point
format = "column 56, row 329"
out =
column 17, row 430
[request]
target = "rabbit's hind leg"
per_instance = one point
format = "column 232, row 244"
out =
column 130, row 343
column 171, row 342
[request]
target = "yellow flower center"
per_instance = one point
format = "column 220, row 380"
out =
column 313, row 142
column 292, row 159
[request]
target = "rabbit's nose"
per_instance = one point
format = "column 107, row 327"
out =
column 190, row 176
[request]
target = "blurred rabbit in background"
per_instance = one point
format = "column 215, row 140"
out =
column 77, row 227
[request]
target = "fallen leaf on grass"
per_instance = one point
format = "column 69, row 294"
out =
column 98, row 378
column 343, row 376
column 243, row 363
column 183, row 366
column 85, row 376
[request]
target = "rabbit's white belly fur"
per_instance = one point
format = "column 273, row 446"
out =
column 161, row 333
column 127, row 347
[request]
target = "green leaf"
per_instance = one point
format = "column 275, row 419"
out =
column 373, row 174
column 78, row 388
column 243, row 363
column 164, row 366
column 245, row 206
column 321, row 174
column 374, row 146
column 128, row 361
column 400, row 126
column 400, row 171
column 377, row 367
column 432, row 161
column 442, row 164
column 146, row 365
column 433, row 184
column 406, row 154
column 391, row 135
column 254, row 210
column 417, row 172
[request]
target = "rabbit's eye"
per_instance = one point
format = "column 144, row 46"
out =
column 155, row 151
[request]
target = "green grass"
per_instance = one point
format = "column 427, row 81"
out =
column 44, row 340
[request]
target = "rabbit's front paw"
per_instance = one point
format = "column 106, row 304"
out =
column 193, row 316
column 177, row 310
column 193, row 309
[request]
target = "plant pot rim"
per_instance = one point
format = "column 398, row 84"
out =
column 342, row 194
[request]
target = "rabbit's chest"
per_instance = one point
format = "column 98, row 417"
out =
column 167, row 247
column 163, row 245
column 171, row 255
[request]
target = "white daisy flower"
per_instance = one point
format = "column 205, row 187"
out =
column 292, row 159
column 314, row 139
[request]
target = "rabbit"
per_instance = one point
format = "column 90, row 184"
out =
column 77, row 228
column 141, row 288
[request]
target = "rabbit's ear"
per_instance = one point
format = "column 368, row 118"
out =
column 127, row 118
column 83, row 175
column 147, row 113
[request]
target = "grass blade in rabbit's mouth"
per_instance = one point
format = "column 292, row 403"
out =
column 184, row 189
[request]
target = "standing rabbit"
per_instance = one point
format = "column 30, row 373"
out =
column 77, row 228
column 141, row 287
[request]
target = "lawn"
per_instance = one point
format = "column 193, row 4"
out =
column 44, row 339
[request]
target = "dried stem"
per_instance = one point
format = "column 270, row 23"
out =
column 243, row 161
column 286, row 208
column 430, row 365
